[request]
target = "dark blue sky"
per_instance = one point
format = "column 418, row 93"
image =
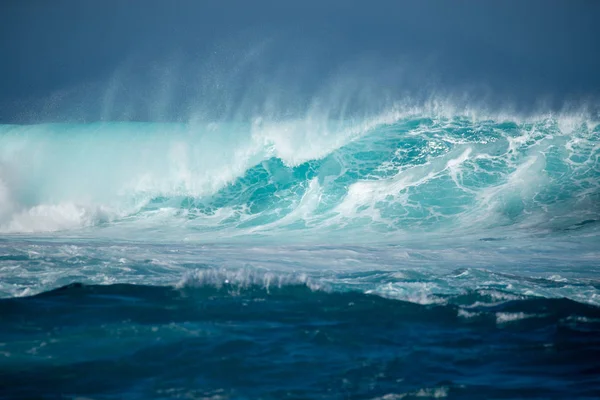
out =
column 159, row 60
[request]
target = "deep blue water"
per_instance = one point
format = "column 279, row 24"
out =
column 412, row 254
column 138, row 341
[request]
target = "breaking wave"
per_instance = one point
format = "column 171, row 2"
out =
column 399, row 173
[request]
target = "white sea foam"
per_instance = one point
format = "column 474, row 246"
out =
column 503, row 318
column 467, row 314
column 245, row 278
column 431, row 393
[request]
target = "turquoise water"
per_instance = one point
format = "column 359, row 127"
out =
column 405, row 255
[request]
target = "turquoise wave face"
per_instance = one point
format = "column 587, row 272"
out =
column 396, row 175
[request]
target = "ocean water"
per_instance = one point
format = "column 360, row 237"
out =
column 405, row 255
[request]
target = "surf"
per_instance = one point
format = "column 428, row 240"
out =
column 390, row 174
